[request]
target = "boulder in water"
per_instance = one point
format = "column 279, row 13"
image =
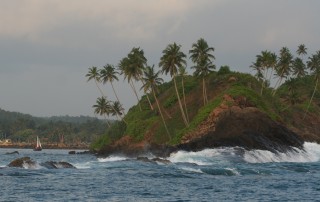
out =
column 22, row 162
column 56, row 165
column 15, row 152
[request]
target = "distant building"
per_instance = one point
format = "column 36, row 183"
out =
column 6, row 142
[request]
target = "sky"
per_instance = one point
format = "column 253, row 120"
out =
column 46, row 47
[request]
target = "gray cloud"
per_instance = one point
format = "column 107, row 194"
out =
column 47, row 46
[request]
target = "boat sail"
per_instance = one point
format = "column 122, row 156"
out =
column 38, row 146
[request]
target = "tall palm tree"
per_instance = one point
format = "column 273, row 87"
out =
column 95, row 75
column 302, row 50
column 170, row 61
column 109, row 74
column 202, row 57
column 151, row 81
column 138, row 61
column 183, row 73
column 102, row 107
column 283, row 67
column 129, row 73
column 298, row 68
column 117, row 109
column 314, row 66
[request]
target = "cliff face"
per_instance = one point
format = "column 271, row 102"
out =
column 248, row 128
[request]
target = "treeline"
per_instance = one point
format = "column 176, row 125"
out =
column 23, row 128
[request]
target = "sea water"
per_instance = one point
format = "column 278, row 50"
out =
column 221, row 174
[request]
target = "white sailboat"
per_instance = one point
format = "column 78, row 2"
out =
column 38, row 146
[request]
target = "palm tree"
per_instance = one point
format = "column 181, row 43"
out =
column 284, row 66
column 102, row 107
column 302, row 50
column 183, row 73
column 298, row 68
column 314, row 66
column 129, row 73
column 202, row 57
column 138, row 60
column 151, row 81
column 109, row 74
column 117, row 109
column 95, row 75
column 170, row 61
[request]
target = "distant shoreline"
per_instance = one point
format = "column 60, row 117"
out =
column 15, row 146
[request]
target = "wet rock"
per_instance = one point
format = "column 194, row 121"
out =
column 72, row 152
column 15, row 152
column 21, row 162
column 56, row 165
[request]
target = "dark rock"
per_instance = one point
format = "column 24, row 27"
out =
column 72, row 152
column 20, row 162
column 15, row 152
column 56, row 165
column 84, row 152
column 144, row 159
column 248, row 128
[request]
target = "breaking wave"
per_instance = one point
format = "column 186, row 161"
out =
column 310, row 153
column 112, row 159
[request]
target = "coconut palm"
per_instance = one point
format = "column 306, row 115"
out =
column 183, row 73
column 151, row 81
column 95, row 75
column 138, row 60
column 129, row 73
column 170, row 61
column 298, row 68
column 109, row 74
column 117, row 109
column 302, row 50
column 314, row 66
column 201, row 55
column 284, row 66
column 102, row 107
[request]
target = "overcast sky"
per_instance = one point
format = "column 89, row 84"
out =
column 46, row 47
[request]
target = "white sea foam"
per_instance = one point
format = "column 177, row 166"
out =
column 199, row 158
column 33, row 166
column 85, row 165
column 194, row 170
column 311, row 153
column 112, row 159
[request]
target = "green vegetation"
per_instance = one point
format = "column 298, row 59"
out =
column 23, row 128
column 283, row 84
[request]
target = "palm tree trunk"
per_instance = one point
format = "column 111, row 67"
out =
column 135, row 92
column 164, row 122
column 151, row 107
column 180, row 105
column 184, row 99
column 203, row 92
column 314, row 91
column 278, row 83
column 99, row 88
column 106, row 120
column 116, row 95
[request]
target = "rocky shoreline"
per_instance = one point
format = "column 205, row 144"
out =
column 233, row 126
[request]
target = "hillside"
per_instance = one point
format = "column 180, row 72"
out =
column 22, row 129
column 226, row 91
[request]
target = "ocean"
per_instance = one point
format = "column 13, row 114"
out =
column 221, row 174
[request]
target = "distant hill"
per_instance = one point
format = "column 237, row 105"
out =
column 21, row 127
